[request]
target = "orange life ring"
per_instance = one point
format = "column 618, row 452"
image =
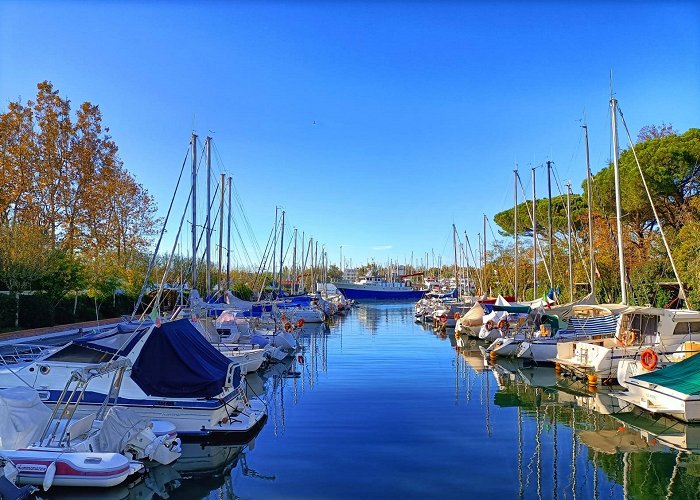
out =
column 489, row 325
column 629, row 337
column 649, row 359
column 300, row 322
column 503, row 323
column 457, row 316
column 283, row 317
column 287, row 327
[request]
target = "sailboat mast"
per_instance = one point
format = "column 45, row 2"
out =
column 274, row 249
column 618, row 204
column 194, row 211
column 568, row 239
column 294, row 264
column 589, row 187
column 534, row 238
column 484, row 268
column 228, row 238
column 454, row 245
column 221, row 229
column 549, row 222
column 208, row 228
column 515, row 230
column 279, row 281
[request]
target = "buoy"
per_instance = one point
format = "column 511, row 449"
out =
column 557, row 367
column 493, row 355
column 300, row 322
column 300, row 359
column 592, row 379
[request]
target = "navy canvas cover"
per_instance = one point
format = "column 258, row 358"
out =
column 177, row 361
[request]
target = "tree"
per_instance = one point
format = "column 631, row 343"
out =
column 334, row 272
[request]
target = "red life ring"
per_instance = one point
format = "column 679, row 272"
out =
column 457, row 316
column 443, row 318
column 503, row 323
column 489, row 325
column 300, row 322
column 649, row 359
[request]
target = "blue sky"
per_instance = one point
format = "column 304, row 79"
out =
column 374, row 125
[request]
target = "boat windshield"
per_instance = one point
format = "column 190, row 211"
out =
column 75, row 353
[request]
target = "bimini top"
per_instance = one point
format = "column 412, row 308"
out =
column 683, row 377
column 176, row 361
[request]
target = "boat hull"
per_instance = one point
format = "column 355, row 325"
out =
column 360, row 294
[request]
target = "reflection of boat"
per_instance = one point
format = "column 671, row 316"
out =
column 611, row 441
column 667, row 431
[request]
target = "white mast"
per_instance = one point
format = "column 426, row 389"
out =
column 208, row 228
column 194, row 211
column 618, row 203
column 568, row 228
column 589, row 186
column 228, row 237
column 534, row 238
column 221, row 229
column 515, row 229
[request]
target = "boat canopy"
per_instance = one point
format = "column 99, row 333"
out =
column 683, row 377
column 120, row 339
column 177, row 361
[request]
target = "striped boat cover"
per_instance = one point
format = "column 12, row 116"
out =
column 600, row 325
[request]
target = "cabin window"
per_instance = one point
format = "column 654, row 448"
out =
column 80, row 354
column 644, row 324
column 687, row 328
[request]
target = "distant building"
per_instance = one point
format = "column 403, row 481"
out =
column 350, row 274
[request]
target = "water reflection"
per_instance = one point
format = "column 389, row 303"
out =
column 611, row 448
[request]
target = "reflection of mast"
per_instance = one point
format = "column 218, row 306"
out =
column 538, row 443
column 676, row 467
column 554, row 456
column 625, row 475
column 488, row 406
column 521, row 489
column 573, row 455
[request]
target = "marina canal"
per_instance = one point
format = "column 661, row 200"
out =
column 377, row 406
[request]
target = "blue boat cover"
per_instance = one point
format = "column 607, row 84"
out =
column 177, row 361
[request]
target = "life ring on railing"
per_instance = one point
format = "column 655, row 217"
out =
column 283, row 317
column 443, row 318
column 489, row 325
column 300, row 322
column 287, row 327
column 629, row 337
column 503, row 324
column 649, row 359
column 457, row 316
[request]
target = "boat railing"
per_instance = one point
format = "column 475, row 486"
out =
column 21, row 353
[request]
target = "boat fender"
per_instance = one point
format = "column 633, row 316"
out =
column 649, row 359
column 457, row 316
column 48, row 476
column 300, row 322
column 489, row 325
column 287, row 327
column 283, row 317
column 503, row 324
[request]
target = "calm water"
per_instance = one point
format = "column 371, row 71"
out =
column 381, row 407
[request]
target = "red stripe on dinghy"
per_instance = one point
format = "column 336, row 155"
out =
column 65, row 469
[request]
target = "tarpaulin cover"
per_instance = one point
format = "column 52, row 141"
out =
column 177, row 361
column 23, row 417
column 683, row 376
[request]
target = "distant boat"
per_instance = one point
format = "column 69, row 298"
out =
column 377, row 288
